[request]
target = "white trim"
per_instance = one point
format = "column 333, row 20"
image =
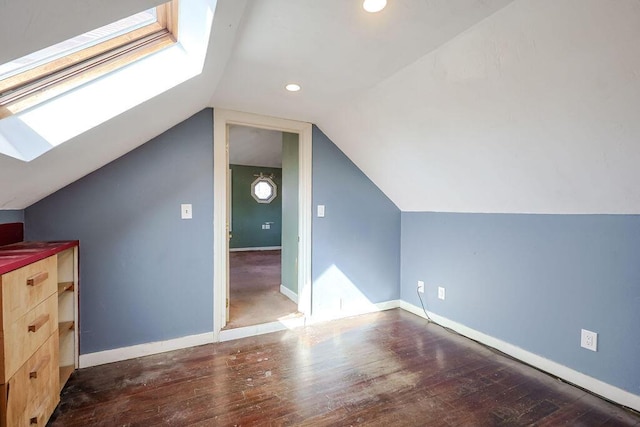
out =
column 220, row 238
column 289, row 293
column 264, row 328
column 221, row 120
column 335, row 315
column 387, row 305
column 296, row 322
column 263, row 248
column 125, row 353
column 596, row 386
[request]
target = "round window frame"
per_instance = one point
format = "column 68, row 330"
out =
column 268, row 181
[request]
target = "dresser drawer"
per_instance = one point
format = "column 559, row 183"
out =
column 24, row 336
column 26, row 287
column 31, row 395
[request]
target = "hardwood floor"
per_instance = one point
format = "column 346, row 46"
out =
column 383, row 369
column 254, row 288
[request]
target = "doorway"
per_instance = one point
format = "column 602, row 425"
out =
column 223, row 119
column 263, row 226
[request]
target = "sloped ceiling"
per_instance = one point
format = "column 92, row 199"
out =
column 31, row 25
column 334, row 49
column 447, row 105
column 463, row 106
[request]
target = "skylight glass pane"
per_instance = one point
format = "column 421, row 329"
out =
column 77, row 43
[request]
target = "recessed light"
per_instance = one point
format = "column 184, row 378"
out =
column 374, row 6
column 292, row 87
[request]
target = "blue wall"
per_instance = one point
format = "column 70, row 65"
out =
column 145, row 274
column 535, row 281
column 356, row 246
column 531, row 280
column 9, row 216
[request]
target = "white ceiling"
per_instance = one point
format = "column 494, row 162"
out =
column 447, row 105
column 255, row 147
column 535, row 109
column 334, row 49
column 461, row 106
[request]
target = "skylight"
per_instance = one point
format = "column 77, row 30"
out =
column 77, row 43
column 42, row 75
column 59, row 107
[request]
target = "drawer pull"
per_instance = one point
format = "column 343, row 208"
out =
column 37, row 278
column 40, row 321
column 33, row 420
column 42, row 363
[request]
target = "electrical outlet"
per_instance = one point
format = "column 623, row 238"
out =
column 589, row 340
column 421, row 286
column 441, row 294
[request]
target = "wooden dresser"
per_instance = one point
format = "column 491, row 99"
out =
column 38, row 329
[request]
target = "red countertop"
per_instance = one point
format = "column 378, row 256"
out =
column 20, row 254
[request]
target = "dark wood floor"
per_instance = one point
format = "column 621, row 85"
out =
column 388, row 369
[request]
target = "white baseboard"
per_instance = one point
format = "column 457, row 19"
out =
column 296, row 322
column 388, row 305
column 370, row 308
column 289, row 293
column 125, row 353
column 262, row 248
column 264, row 328
column 595, row 386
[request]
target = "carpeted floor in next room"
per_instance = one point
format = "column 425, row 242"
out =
column 254, row 287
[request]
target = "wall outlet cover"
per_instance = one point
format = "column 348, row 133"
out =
column 441, row 293
column 421, row 286
column 589, row 340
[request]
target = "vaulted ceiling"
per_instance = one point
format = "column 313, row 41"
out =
column 447, row 105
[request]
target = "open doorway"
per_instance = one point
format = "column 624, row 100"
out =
column 223, row 121
column 263, row 226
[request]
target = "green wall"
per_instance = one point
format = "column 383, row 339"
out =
column 248, row 215
column 289, row 272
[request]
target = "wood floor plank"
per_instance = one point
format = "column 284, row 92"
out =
column 384, row 369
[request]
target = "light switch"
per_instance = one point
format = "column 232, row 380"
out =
column 320, row 211
column 186, row 211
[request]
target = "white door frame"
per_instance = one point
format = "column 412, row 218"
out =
column 221, row 121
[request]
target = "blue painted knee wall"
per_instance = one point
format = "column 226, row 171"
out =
column 535, row 281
